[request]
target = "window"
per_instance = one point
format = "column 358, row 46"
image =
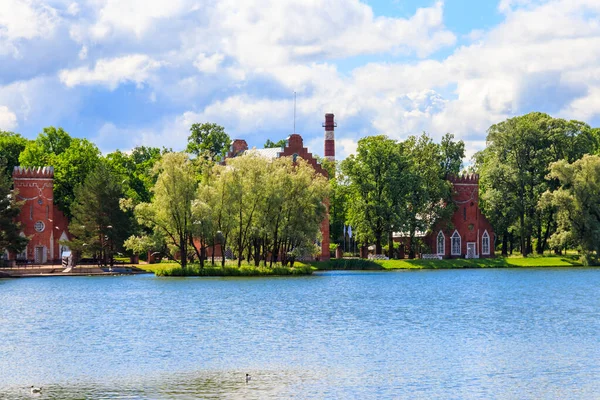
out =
column 455, row 244
column 485, row 243
column 441, row 244
column 31, row 211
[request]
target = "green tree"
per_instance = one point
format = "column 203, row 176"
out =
column 169, row 213
column 377, row 187
column 11, row 146
column 10, row 208
column 578, row 204
column 271, row 145
column 208, row 140
column 452, row 153
column 429, row 193
column 516, row 164
column 72, row 158
column 99, row 225
column 135, row 170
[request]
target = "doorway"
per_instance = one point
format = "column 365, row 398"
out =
column 39, row 255
column 471, row 250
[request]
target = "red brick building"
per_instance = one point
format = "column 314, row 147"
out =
column 40, row 219
column 469, row 234
column 294, row 148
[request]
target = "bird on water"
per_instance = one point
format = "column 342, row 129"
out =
column 36, row 389
column 248, row 377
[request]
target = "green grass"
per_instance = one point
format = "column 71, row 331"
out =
column 498, row 262
column 231, row 269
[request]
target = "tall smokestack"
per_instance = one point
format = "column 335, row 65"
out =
column 329, row 137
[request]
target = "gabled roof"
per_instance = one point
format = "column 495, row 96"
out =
column 267, row 153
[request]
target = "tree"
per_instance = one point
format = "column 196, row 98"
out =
column 135, row 170
column 99, row 225
column 72, row 158
column 169, row 213
column 271, row 145
column 208, row 140
column 429, row 193
column 377, row 186
column 40, row 152
column 516, row 164
column 11, row 146
column 452, row 155
column 10, row 207
column 578, row 204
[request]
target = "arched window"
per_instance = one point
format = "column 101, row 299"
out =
column 441, row 244
column 455, row 244
column 485, row 243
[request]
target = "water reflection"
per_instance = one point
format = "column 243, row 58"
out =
column 424, row 334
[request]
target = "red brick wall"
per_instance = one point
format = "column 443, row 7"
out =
column 467, row 220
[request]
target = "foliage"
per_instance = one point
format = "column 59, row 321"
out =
column 11, row 146
column 377, row 187
column 452, row 154
column 514, row 172
column 72, row 158
column 231, row 270
column 99, row 225
column 208, row 140
column 271, row 145
column 169, row 213
column 578, row 205
column 135, row 170
column 10, row 208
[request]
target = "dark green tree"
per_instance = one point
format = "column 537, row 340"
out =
column 452, row 153
column 208, row 140
column 271, row 145
column 376, row 187
column 99, row 225
column 11, row 146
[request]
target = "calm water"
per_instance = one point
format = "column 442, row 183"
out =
column 505, row 334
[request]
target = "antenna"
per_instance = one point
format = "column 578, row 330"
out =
column 294, row 112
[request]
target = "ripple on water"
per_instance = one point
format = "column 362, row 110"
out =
column 415, row 334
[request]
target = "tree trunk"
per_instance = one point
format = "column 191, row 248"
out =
column 504, row 243
column 391, row 245
column 538, row 247
column 522, row 238
column 378, row 235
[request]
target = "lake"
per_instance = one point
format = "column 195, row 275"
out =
column 451, row 334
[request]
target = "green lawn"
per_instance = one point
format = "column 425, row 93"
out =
column 498, row 262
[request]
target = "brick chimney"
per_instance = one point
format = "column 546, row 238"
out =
column 329, row 125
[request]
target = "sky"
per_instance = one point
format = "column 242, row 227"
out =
column 124, row 73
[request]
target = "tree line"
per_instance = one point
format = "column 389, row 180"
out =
column 176, row 204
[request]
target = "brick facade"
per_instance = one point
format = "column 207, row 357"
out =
column 473, row 234
column 40, row 219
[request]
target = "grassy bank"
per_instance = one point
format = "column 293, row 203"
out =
column 230, row 269
column 498, row 262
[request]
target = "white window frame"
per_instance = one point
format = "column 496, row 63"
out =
column 484, row 238
column 455, row 237
column 437, row 244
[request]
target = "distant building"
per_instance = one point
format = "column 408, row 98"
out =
column 294, row 148
column 467, row 234
column 40, row 218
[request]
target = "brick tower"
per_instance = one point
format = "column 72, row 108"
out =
column 329, row 125
column 40, row 219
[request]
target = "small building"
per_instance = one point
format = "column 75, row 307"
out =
column 41, row 220
column 467, row 234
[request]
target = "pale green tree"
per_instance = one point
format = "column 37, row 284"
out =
column 170, row 211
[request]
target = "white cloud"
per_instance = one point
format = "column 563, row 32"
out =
column 26, row 19
column 111, row 72
column 8, row 119
column 209, row 64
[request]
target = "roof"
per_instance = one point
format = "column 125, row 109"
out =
column 267, row 153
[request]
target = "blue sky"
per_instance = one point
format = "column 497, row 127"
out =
column 140, row 72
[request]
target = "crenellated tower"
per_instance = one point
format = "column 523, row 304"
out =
column 40, row 219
